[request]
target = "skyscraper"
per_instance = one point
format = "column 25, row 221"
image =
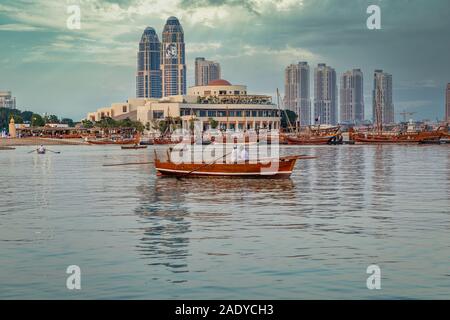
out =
column 325, row 95
column 206, row 71
column 7, row 100
column 148, row 77
column 173, row 65
column 383, row 106
column 296, row 92
column 352, row 97
column 447, row 104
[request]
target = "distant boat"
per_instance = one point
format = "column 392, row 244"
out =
column 7, row 148
column 134, row 147
column 109, row 141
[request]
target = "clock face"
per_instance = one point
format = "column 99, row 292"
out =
column 171, row 51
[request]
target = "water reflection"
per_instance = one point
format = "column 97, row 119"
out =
column 165, row 227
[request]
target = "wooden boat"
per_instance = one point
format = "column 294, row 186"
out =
column 166, row 141
column 40, row 151
column 275, row 168
column 133, row 147
column 413, row 137
column 310, row 140
column 109, row 141
column 7, row 148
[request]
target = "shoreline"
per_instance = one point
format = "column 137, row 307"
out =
column 33, row 141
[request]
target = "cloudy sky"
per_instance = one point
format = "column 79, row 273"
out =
column 51, row 68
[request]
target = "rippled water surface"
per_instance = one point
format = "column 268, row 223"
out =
column 312, row 236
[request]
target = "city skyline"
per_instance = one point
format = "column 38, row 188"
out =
column 253, row 41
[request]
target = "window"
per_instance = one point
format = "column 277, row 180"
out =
column 211, row 113
column 236, row 92
column 158, row 114
column 222, row 92
column 124, row 109
column 221, row 113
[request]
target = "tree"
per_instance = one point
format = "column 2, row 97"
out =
column 51, row 119
column 67, row 121
column 213, row 123
column 26, row 116
column 292, row 118
column 37, row 120
column 17, row 118
column 87, row 124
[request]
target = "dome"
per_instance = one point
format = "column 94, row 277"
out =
column 173, row 20
column 219, row 82
column 149, row 35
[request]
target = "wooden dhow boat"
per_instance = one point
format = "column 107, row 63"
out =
column 281, row 167
column 133, row 147
column 114, row 142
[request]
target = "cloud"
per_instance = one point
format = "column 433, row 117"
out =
column 17, row 27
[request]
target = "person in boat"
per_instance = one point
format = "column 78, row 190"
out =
column 41, row 149
column 243, row 155
column 234, row 154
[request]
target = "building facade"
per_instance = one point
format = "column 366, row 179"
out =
column 297, row 92
column 148, row 77
column 228, row 105
column 382, row 102
column 325, row 95
column 173, row 65
column 352, row 97
column 447, row 104
column 7, row 100
column 206, row 71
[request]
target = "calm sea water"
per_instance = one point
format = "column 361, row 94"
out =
column 312, row 236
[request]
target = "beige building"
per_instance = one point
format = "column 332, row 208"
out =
column 229, row 105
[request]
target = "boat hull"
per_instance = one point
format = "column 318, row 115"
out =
column 277, row 169
column 309, row 141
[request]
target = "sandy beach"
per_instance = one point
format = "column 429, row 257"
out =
column 33, row 141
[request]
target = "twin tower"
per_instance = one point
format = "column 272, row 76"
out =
column 161, row 66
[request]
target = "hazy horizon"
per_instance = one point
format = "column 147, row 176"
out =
column 50, row 68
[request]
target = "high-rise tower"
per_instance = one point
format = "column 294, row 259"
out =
column 206, row 71
column 352, row 97
column 383, row 106
column 148, row 77
column 173, row 65
column 296, row 90
column 447, row 103
column 325, row 95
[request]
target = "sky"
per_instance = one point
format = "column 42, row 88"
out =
column 69, row 72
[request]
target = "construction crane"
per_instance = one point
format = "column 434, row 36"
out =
column 406, row 114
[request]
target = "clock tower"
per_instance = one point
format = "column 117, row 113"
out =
column 173, row 65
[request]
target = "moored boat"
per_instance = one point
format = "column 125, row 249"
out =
column 134, row 147
column 281, row 167
column 310, row 140
column 109, row 141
